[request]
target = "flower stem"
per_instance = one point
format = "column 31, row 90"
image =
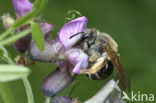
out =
column 6, row 33
column 28, row 90
column 47, row 100
column 15, row 38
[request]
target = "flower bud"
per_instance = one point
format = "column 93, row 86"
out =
column 110, row 93
column 46, row 29
column 57, row 81
column 22, row 7
column 7, row 21
column 65, row 99
column 22, row 44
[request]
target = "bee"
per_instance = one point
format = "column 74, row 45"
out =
column 103, row 57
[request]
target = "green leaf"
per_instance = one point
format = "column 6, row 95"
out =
column 15, row 37
column 6, row 93
column 3, row 51
column 23, row 20
column 39, row 5
column 12, row 72
column 37, row 35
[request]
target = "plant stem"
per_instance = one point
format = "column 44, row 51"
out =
column 47, row 100
column 7, row 59
column 15, row 38
column 6, row 33
column 28, row 90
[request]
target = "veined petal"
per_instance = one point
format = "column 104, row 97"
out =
column 46, row 28
column 71, row 28
column 50, row 53
column 110, row 93
column 78, row 58
column 22, row 7
column 57, row 81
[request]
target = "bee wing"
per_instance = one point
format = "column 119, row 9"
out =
column 115, row 58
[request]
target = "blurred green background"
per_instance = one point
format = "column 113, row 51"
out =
column 132, row 23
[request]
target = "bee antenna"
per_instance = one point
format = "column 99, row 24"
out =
column 76, row 34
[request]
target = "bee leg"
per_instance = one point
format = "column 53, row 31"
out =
column 96, row 67
column 93, row 57
column 92, row 70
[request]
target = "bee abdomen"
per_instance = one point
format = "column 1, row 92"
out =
column 103, row 73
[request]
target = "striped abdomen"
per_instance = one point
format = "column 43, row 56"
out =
column 103, row 73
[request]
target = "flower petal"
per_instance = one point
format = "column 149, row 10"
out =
column 69, row 29
column 110, row 93
column 49, row 54
column 22, row 44
column 57, row 81
column 65, row 99
column 78, row 58
column 22, row 7
column 46, row 29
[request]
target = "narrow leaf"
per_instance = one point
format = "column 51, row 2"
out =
column 39, row 5
column 15, row 37
column 3, row 51
column 6, row 93
column 37, row 35
column 12, row 72
column 23, row 20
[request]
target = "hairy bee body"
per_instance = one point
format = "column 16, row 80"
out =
column 91, row 43
column 103, row 56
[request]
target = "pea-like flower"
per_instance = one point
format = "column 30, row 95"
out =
column 62, row 52
column 58, row 80
column 109, row 93
column 62, row 48
column 23, row 7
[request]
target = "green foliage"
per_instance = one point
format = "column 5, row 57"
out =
column 23, row 20
column 129, row 22
column 39, row 5
column 15, row 37
column 1, row 53
column 28, row 90
column 37, row 35
column 12, row 72
column 6, row 93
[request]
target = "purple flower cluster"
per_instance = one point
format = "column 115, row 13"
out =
column 23, row 7
column 61, row 51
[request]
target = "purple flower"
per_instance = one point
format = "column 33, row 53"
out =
column 58, row 80
column 65, row 99
column 52, row 48
column 62, row 49
column 73, row 27
column 46, row 28
column 110, row 93
column 78, row 58
column 70, row 60
column 22, row 7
